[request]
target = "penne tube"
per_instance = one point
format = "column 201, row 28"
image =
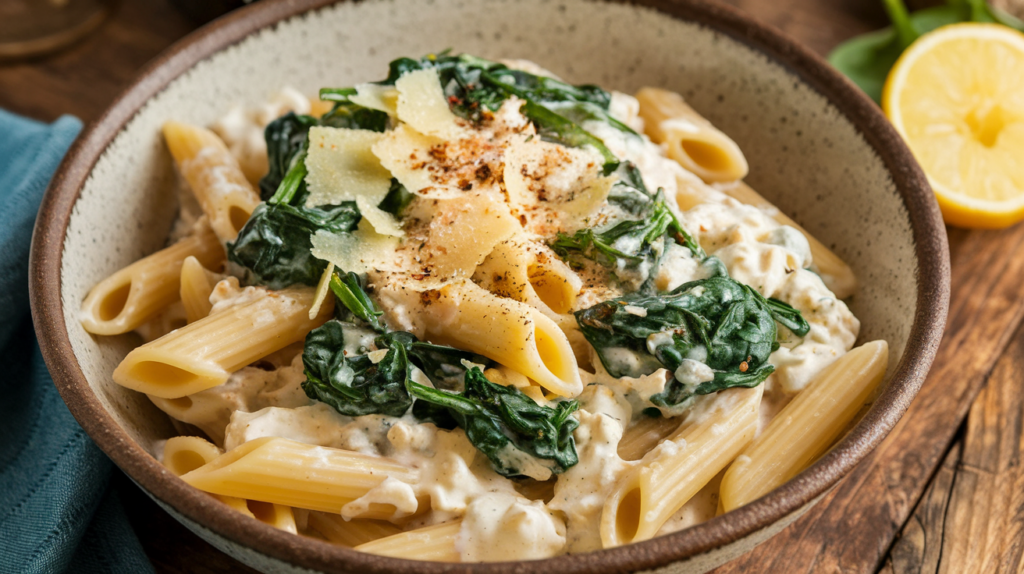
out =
column 277, row 515
column 299, row 475
column 528, row 272
column 644, row 435
column 203, row 354
column 350, row 533
column 512, row 333
column 834, row 272
column 668, row 477
column 126, row 299
column 806, row 427
column 196, row 286
column 183, row 454
column 691, row 140
column 214, row 176
column 435, row 543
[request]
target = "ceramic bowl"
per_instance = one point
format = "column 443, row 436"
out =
column 817, row 147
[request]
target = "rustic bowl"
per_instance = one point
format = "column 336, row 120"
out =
column 817, row 147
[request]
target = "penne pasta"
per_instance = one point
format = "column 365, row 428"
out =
column 196, row 286
column 435, row 543
column 644, row 435
column 507, row 331
column 691, row 140
column 807, row 426
column 183, row 454
column 350, row 533
column 525, row 271
column 276, row 515
column 129, row 297
column 291, row 473
column 646, row 497
column 836, row 274
column 203, row 354
column 214, row 176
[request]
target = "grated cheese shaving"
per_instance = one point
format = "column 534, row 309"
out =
column 322, row 288
column 361, row 251
column 422, row 105
column 376, row 97
column 342, row 167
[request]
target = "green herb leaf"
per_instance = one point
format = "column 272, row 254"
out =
column 353, row 385
column 867, row 59
column 349, row 291
column 497, row 419
column 717, row 321
column 274, row 245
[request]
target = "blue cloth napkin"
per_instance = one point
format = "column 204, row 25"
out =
column 57, row 513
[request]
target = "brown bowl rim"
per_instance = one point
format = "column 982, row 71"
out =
column 931, row 250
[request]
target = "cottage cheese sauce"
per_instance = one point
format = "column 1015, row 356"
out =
column 455, row 480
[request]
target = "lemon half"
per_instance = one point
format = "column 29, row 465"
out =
column 956, row 95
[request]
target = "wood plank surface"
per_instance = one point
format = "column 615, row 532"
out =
column 926, row 500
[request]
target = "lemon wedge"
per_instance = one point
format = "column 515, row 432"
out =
column 956, row 95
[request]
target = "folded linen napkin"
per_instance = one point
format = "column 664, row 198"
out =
column 56, row 511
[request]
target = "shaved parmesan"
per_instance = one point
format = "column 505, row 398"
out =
column 406, row 153
column 462, row 234
column 568, row 179
column 361, row 251
column 342, row 167
column 376, row 97
column 322, row 288
column 422, row 105
column 382, row 221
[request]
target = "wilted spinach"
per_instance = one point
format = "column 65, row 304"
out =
column 717, row 321
column 354, row 385
column 474, row 85
column 867, row 59
column 630, row 245
column 274, row 244
column 497, row 418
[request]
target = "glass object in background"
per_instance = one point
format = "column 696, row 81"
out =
column 33, row 27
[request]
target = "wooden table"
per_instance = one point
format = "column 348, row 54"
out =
column 944, row 492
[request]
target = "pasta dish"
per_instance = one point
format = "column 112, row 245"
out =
column 472, row 312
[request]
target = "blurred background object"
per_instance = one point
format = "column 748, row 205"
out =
column 202, row 11
column 1015, row 7
column 32, row 27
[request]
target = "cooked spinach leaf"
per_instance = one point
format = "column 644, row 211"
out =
column 286, row 140
column 789, row 317
column 442, row 364
column 498, row 418
column 354, row 385
column 274, row 244
column 475, row 85
column 717, row 321
column 350, row 293
column 346, row 378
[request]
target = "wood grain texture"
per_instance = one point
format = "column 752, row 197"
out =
column 941, row 495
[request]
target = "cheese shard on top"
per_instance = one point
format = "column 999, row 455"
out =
column 406, row 153
column 376, row 97
column 361, row 251
column 545, row 176
column 342, row 167
column 462, row 234
column 422, row 105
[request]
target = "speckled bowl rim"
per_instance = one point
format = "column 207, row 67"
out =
column 931, row 250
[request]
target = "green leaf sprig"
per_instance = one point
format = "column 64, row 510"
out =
column 867, row 59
